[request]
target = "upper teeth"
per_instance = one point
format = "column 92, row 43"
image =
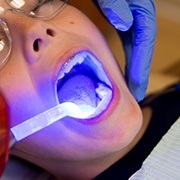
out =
column 88, row 59
column 70, row 64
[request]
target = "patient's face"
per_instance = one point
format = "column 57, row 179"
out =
column 34, row 79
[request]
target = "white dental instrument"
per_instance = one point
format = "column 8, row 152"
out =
column 48, row 117
column 58, row 112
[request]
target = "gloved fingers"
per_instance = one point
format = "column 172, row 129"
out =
column 127, row 39
column 144, row 37
column 137, row 90
column 138, row 44
column 117, row 12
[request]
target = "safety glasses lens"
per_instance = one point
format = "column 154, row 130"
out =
column 37, row 8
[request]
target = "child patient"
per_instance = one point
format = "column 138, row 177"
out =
column 62, row 57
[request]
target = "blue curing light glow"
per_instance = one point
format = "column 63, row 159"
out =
column 48, row 117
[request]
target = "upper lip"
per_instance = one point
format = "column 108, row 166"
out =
column 86, row 59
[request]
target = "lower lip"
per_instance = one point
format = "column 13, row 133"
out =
column 105, row 114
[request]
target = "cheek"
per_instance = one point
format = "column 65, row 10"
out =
column 133, row 120
column 22, row 105
column 73, row 21
column 20, row 96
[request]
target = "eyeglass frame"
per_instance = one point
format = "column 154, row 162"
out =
column 24, row 13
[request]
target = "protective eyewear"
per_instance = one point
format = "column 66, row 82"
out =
column 4, row 134
column 41, row 9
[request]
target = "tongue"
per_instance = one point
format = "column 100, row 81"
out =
column 79, row 89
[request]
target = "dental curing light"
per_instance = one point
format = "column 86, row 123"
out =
column 56, row 113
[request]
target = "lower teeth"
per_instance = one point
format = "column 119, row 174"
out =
column 102, row 90
column 104, row 101
column 105, row 95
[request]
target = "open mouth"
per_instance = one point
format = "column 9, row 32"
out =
column 83, row 81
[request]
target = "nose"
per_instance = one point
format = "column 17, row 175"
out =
column 32, row 35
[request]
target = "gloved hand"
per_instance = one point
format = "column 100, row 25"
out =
column 136, row 24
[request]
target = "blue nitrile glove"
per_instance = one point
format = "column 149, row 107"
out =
column 136, row 24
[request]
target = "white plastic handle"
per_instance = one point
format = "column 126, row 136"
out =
column 46, row 118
